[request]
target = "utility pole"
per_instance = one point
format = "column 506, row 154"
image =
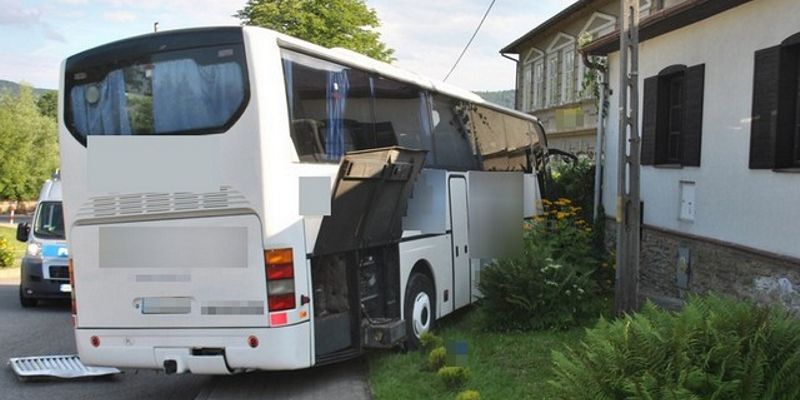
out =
column 628, row 203
column 155, row 26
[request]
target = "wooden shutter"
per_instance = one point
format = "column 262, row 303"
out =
column 649, row 120
column 763, row 127
column 692, row 132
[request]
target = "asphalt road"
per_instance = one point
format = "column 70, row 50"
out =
column 5, row 218
column 47, row 330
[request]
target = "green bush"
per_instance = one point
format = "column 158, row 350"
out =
column 552, row 284
column 428, row 341
column 6, row 254
column 453, row 377
column 715, row 348
column 573, row 180
column 469, row 395
column 437, row 358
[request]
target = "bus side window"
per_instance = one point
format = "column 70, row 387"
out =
column 401, row 115
column 329, row 108
column 450, row 142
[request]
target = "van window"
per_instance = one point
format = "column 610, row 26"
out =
column 49, row 222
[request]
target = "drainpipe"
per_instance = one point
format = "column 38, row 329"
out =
column 598, row 147
column 516, row 77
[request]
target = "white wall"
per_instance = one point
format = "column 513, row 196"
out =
column 756, row 208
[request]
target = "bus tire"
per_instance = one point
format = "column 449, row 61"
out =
column 420, row 308
column 26, row 302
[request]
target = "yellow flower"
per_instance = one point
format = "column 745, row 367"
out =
column 561, row 215
column 546, row 202
column 564, row 200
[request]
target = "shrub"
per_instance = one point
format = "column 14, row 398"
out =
column 469, row 395
column 573, row 180
column 453, row 377
column 429, row 341
column 552, row 284
column 715, row 348
column 437, row 358
column 6, row 254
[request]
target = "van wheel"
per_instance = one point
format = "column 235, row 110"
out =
column 420, row 308
column 25, row 301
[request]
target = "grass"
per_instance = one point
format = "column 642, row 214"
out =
column 514, row 365
column 10, row 234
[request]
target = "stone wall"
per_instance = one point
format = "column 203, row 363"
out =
column 712, row 267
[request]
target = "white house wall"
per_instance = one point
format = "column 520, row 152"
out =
column 755, row 208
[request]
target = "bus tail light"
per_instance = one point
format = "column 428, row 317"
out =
column 73, row 304
column 279, row 264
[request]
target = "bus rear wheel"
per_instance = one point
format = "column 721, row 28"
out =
column 420, row 308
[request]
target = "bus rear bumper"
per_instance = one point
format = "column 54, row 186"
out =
column 202, row 351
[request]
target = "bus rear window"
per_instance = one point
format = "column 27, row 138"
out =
column 189, row 91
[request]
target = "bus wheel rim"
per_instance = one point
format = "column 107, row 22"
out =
column 421, row 314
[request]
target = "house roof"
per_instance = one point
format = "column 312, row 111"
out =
column 561, row 16
column 664, row 21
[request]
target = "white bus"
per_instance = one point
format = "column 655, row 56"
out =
column 238, row 199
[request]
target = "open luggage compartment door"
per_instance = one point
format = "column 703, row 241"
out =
column 370, row 197
column 355, row 265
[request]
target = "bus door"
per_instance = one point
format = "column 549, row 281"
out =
column 459, row 217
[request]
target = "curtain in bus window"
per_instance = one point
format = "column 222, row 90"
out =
column 336, row 103
column 101, row 108
column 190, row 96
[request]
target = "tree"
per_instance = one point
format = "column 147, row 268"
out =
column 330, row 23
column 28, row 145
column 48, row 104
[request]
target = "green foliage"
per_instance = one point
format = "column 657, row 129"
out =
column 437, row 358
column 574, row 181
column 715, row 348
column 552, row 284
column 6, row 253
column 469, row 395
column 429, row 341
column 28, row 145
column 330, row 23
column 48, row 104
column 453, row 377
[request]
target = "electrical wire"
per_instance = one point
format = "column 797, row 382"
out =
column 470, row 40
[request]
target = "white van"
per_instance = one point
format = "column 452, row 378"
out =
column 44, row 267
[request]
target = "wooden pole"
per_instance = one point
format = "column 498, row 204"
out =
column 628, row 200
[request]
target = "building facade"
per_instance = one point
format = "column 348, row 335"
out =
column 550, row 72
column 720, row 119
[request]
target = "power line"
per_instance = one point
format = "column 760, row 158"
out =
column 470, row 40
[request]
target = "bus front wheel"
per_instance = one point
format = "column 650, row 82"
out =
column 420, row 308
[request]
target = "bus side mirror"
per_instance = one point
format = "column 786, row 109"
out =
column 23, row 230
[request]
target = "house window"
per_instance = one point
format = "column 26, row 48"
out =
column 526, row 87
column 672, row 116
column 775, row 126
column 568, row 95
column 553, row 87
column 538, row 84
column 673, row 124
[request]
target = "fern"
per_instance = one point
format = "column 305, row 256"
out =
column 715, row 348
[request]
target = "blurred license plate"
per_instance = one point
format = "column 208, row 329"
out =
column 66, row 288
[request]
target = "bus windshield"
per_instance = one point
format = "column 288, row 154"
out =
column 187, row 91
column 49, row 221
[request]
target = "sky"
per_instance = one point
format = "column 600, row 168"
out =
column 427, row 35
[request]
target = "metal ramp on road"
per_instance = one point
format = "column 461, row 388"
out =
column 64, row 367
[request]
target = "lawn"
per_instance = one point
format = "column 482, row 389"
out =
column 502, row 365
column 10, row 234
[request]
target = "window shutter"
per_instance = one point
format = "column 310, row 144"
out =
column 763, row 127
column 692, row 115
column 649, row 120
